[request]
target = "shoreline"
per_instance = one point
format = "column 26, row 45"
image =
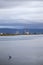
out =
column 18, row 34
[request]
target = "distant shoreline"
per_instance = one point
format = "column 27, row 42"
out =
column 18, row 34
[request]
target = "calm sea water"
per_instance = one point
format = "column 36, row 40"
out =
column 24, row 50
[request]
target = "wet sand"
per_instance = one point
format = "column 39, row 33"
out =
column 22, row 52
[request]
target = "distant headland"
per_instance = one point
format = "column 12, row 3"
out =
column 25, row 31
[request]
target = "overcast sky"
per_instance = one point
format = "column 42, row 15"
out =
column 31, row 10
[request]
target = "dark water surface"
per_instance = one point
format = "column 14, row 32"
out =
column 22, row 52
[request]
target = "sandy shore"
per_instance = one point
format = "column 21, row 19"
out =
column 23, row 52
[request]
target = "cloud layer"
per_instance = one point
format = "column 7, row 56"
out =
column 21, row 10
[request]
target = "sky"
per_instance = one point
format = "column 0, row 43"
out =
column 21, row 11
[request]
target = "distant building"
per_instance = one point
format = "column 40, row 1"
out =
column 1, row 33
column 27, row 33
column 17, row 32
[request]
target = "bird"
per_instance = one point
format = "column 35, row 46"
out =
column 10, row 57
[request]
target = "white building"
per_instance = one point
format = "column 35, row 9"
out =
column 27, row 33
column 17, row 32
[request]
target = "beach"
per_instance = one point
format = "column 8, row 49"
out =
column 24, row 50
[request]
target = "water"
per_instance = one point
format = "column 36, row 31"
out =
column 20, row 37
column 24, row 50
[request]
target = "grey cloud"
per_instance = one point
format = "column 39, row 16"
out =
column 27, row 10
column 13, row 3
column 4, row 4
column 22, row 0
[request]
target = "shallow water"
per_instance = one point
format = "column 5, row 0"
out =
column 20, row 37
column 24, row 50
